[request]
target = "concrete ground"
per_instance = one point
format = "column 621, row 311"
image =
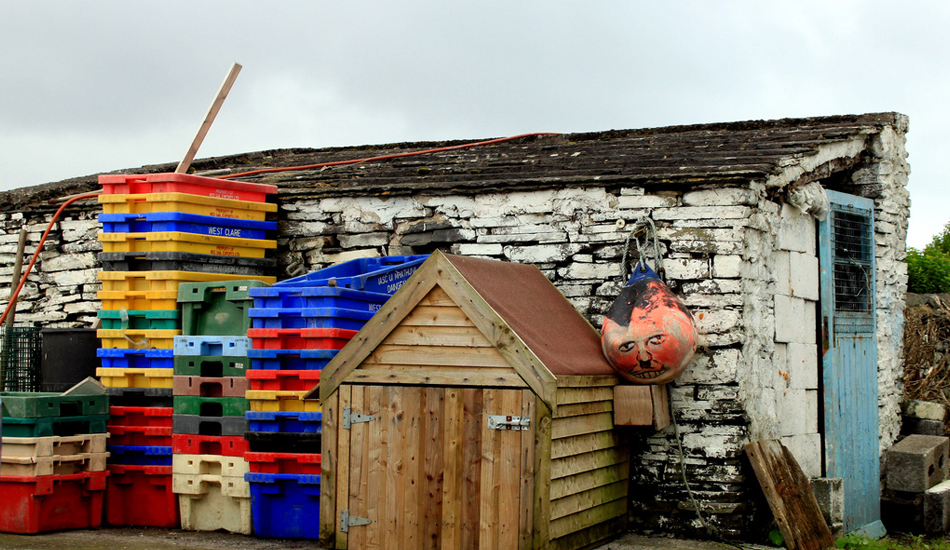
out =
column 170, row 539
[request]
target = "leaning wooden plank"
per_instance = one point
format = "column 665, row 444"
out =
column 789, row 496
column 209, row 118
column 661, row 407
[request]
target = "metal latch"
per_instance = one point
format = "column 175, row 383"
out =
column 502, row 422
column 350, row 417
column 347, row 521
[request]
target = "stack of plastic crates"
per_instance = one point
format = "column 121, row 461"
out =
column 209, row 387
column 52, row 461
column 161, row 231
column 297, row 327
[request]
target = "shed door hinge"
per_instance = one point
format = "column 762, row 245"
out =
column 502, row 422
column 347, row 521
column 349, row 417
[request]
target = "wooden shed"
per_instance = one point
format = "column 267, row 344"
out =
column 474, row 410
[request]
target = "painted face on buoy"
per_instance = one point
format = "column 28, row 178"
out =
column 648, row 336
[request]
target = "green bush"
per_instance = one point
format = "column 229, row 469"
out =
column 928, row 271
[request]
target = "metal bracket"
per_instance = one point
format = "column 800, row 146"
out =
column 349, row 417
column 347, row 521
column 501, row 422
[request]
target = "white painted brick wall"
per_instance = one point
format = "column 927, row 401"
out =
column 794, row 320
column 802, row 365
column 803, row 276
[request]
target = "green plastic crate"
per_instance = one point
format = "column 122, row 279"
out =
column 209, row 406
column 159, row 319
column 210, row 365
column 59, row 425
column 216, row 308
column 47, row 405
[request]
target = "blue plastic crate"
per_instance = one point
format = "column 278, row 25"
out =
column 186, row 223
column 385, row 274
column 223, row 346
column 285, row 505
column 316, row 297
column 136, row 358
column 140, row 455
column 290, row 359
column 325, row 317
column 285, row 421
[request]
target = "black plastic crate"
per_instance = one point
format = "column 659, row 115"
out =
column 187, row 261
column 140, row 397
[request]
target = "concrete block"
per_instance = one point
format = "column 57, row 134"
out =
column 928, row 410
column 782, row 275
column 920, row 426
column 802, row 365
column 902, row 512
column 829, row 491
column 936, row 508
column 806, row 448
column 794, row 320
column 916, row 463
column 803, row 276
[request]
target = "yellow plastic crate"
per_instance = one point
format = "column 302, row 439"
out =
column 124, row 281
column 135, row 378
column 138, row 339
column 139, row 300
column 280, row 400
column 186, row 203
column 177, row 241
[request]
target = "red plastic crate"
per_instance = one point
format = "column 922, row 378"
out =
column 299, row 338
column 157, row 417
column 283, row 463
column 137, row 184
column 146, row 436
column 209, row 386
column 295, row 380
column 190, row 444
column 51, row 503
column 142, row 496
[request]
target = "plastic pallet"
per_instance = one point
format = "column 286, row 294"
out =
column 290, row 297
column 141, row 496
column 173, row 182
column 140, row 397
column 284, row 463
column 228, row 426
column 228, row 466
column 290, row 359
column 210, row 406
column 140, row 436
column 220, row 308
column 186, row 223
column 213, row 510
column 143, row 203
column 137, row 455
column 35, row 447
column 48, row 405
column 53, row 465
column 210, row 386
column 285, row 421
column 285, row 505
column 153, row 281
column 62, row 426
column 137, row 339
column 186, row 261
column 384, row 275
column 139, row 299
column 299, row 338
column 33, row 505
column 279, row 442
column 347, row 319
column 151, row 417
column 283, row 380
column 279, row 400
column 122, row 319
column 135, row 378
column 176, row 241
column 136, row 358
column 228, row 346
column 211, row 365
column 189, row 444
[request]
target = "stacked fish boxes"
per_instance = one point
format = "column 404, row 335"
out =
column 52, row 461
column 208, row 424
column 297, row 326
column 159, row 232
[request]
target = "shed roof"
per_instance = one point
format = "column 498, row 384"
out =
column 775, row 152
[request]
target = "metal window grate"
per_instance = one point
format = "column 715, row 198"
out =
column 853, row 259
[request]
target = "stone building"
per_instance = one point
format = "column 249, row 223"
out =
column 737, row 250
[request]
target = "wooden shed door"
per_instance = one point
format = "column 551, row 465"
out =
column 849, row 356
column 427, row 471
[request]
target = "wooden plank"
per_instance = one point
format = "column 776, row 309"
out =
column 359, row 472
column 508, row 475
column 451, row 437
column 395, row 493
column 488, row 513
column 526, row 498
column 592, row 498
column 430, row 506
column 542, row 475
column 343, row 473
column 437, row 297
column 449, row 356
column 578, row 425
column 377, row 487
column 575, row 464
column 587, row 381
column 329, row 450
column 435, row 377
column 566, row 396
column 789, row 495
column 592, row 537
column 661, row 407
column 209, row 118
column 583, row 444
column 411, row 428
column 581, row 409
column 588, row 518
column 633, row 405
column 437, row 336
column 585, row 481
column 473, row 429
column 436, row 316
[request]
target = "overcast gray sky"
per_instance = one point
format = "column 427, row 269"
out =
column 99, row 85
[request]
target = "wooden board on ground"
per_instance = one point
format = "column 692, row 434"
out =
column 790, row 496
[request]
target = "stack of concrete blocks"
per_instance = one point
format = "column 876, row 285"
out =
column 922, row 417
column 916, row 497
column 829, row 492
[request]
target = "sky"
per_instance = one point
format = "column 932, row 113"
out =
column 96, row 86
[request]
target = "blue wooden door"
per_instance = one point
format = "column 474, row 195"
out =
column 849, row 357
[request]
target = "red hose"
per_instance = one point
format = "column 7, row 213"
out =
column 39, row 248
